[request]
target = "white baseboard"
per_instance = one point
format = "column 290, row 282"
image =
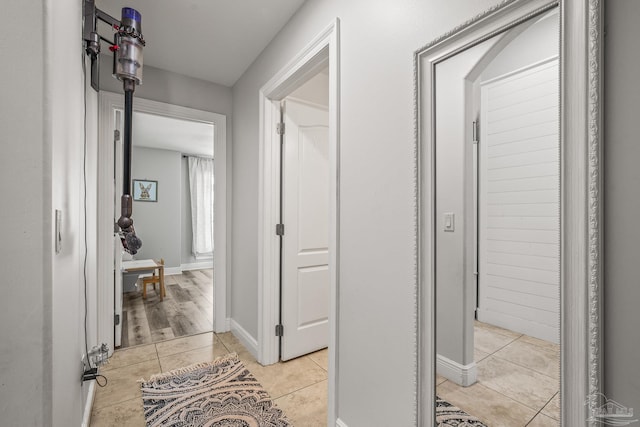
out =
column 88, row 406
column 340, row 423
column 464, row 375
column 197, row 265
column 172, row 270
column 245, row 338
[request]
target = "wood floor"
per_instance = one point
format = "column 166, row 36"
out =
column 186, row 310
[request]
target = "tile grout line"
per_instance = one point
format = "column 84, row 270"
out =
column 523, row 366
column 105, row 373
column 514, row 399
column 101, row 408
column 179, row 338
column 317, row 364
column 515, row 363
column 297, row 390
column 544, row 348
column 495, row 391
column 510, row 342
column 540, row 411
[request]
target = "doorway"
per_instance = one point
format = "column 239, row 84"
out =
column 320, row 53
column 110, row 104
column 172, row 171
column 304, row 236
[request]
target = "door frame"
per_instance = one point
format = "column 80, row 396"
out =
column 107, row 104
column 323, row 49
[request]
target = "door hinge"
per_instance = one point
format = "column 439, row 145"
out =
column 280, row 128
column 279, row 330
column 476, row 137
column 116, row 318
column 116, row 135
column 279, row 229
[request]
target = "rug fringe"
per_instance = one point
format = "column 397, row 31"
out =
column 196, row 366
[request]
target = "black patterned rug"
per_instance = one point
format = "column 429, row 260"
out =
column 222, row 393
column 448, row 415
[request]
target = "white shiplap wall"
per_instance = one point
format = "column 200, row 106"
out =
column 519, row 226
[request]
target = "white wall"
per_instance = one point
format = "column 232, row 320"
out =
column 42, row 314
column 621, row 202
column 377, row 295
column 25, row 309
column 455, row 282
column 158, row 224
column 172, row 88
column 42, row 122
column 65, row 114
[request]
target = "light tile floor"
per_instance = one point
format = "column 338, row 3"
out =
column 518, row 380
column 298, row 387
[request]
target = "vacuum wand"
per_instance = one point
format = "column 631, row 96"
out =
column 131, row 241
column 127, row 154
column 127, row 67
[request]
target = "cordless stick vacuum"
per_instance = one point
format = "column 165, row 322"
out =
column 127, row 67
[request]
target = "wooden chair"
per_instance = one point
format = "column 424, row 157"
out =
column 159, row 278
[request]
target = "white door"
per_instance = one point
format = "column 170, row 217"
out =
column 519, row 224
column 305, row 213
column 117, row 244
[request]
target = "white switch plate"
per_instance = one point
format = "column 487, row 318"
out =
column 58, row 235
column 449, row 221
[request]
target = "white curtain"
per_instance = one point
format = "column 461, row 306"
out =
column 201, row 187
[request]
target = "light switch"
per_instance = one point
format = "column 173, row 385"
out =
column 58, row 236
column 449, row 221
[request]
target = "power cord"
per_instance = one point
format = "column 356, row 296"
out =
column 92, row 372
column 84, row 176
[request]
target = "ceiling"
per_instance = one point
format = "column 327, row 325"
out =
column 213, row 40
column 167, row 133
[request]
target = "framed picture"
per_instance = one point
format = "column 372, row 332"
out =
column 145, row 190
